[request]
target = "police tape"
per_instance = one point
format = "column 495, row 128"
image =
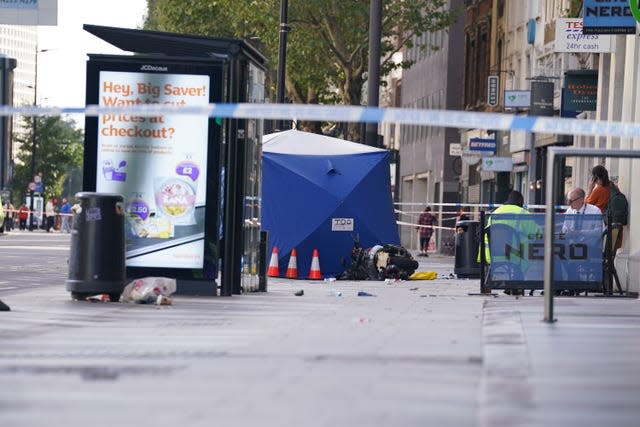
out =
column 410, row 224
column 472, row 211
column 347, row 113
column 449, row 214
column 454, row 215
column 478, row 206
column 16, row 211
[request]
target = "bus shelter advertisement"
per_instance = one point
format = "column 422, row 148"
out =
column 158, row 163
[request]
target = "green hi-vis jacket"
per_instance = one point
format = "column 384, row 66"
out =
column 522, row 227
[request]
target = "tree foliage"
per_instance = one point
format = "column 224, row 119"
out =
column 575, row 8
column 327, row 49
column 59, row 151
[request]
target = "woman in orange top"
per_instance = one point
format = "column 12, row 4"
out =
column 599, row 187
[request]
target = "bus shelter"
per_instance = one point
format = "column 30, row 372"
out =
column 184, row 178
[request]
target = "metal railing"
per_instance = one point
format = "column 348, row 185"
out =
column 554, row 155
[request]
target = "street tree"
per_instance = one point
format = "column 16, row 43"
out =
column 327, row 51
column 59, row 151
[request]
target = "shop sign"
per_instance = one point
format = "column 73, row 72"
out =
column 493, row 86
column 608, row 17
column 541, row 99
column 517, row 98
column 580, row 90
column 569, row 38
column 497, row 164
column 487, row 145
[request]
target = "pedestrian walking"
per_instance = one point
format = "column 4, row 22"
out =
column 425, row 229
column 23, row 216
column 65, row 211
column 50, row 215
column 9, row 216
column 57, row 224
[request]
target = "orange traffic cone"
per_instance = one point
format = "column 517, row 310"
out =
column 292, row 269
column 274, row 269
column 314, row 273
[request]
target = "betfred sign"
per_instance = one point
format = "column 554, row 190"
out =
column 569, row 38
column 487, row 145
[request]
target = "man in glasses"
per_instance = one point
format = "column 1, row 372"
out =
column 578, row 206
column 583, row 228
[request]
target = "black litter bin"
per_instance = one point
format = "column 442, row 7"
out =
column 96, row 261
column 467, row 242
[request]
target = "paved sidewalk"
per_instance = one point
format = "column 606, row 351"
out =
column 417, row 353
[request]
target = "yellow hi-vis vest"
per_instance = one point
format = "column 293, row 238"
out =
column 516, row 225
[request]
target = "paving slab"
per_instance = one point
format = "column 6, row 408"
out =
column 415, row 353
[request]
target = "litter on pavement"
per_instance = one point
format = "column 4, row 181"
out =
column 365, row 294
column 150, row 290
column 424, row 275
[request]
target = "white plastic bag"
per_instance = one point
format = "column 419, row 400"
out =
column 150, row 290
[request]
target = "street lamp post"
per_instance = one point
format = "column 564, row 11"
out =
column 33, row 144
column 373, row 75
column 282, row 56
column 34, row 139
column 33, row 172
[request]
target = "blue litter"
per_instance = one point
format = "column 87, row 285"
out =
column 365, row 294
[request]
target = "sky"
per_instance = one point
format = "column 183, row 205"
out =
column 62, row 68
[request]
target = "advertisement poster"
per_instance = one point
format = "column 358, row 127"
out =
column 158, row 163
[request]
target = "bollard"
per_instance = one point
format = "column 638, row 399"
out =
column 262, row 261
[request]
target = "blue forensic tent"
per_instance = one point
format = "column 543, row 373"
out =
column 317, row 192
